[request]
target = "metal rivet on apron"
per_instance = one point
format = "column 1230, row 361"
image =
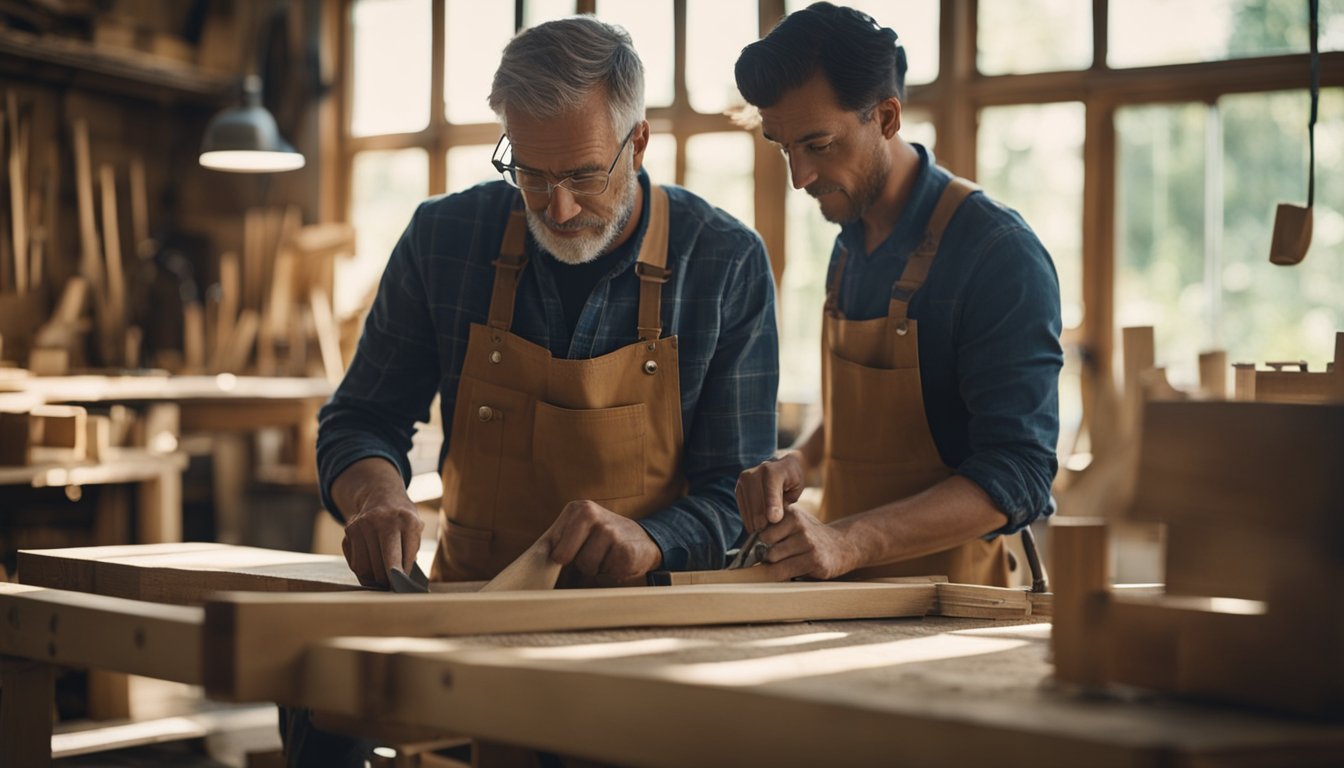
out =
column 650, row 367
column 651, row 346
column 485, row 413
column 495, row 356
column 902, row 329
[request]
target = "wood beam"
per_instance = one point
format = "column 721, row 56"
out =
column 255, row 643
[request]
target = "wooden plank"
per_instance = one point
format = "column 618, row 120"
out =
column 754, row 575
column 17, row 194
column 139, row 206
column 1263, row 465
column 855, row 703
column 255, row 642
column 90, row 265
column 94, row 631
column 328, row 335
column 973, row 601
column 27, row 701
column 185, row 573
column 230, row 292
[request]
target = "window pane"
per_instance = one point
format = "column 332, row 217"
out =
column 391, row 66
column 1030, row 158
column 469, row 165
column 1160, row 232
column 476, row 34
column 717, row 32
column 1208, row 30
column 915, row 22
column 1272, row 312
column 384, row 190
column 537, row 11
column 808, row 238
column 649, row 23
column 1020, row 36
column 660, row 158
column 719, row 168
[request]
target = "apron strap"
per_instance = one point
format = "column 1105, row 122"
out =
column 652, row 267
column 917, row 266
column 833, row 290
column 508, row 269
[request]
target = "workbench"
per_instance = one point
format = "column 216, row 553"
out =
column 923, row 690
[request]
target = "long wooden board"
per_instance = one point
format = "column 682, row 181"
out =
column 918, row 694
column 183, row 573
column 255, row 642
column 93, row 631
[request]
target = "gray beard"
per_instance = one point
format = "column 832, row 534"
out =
column 587, row 246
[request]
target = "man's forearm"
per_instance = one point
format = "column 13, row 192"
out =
column 366, row 479
column 950, row 513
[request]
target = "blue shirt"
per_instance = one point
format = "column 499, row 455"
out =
column 989, row 352
column 719, row 301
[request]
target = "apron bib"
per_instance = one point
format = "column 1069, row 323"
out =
column 878, row 445
column 532, row 432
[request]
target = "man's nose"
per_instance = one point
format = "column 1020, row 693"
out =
column 801, row 172
column 562, row 206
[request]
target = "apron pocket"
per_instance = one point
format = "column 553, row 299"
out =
column 877, row 414
column 466, row 553
column 595, row 454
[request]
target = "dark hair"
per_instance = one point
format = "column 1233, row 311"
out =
column 863, row 62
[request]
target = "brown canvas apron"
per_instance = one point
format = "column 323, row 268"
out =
column 532, row 432
column 878, row 445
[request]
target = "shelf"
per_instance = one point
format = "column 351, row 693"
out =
column 66, row 61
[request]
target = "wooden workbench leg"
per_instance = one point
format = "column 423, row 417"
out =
column 27, row 693
column 231, row 473
column 160, row 509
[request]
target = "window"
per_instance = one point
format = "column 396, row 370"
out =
column 1021, row 36
column 390, row 67
column 1210, row 30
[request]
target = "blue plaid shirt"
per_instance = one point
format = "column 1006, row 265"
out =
column 989, row 351
column 719, row 301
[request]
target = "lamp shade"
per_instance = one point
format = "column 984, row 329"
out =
column 245, row 138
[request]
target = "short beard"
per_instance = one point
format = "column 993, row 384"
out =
column 862, row 198
column 587, row 246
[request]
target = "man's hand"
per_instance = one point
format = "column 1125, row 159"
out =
column 599, row 541
column 802, row 545
column 386, row 533
column 763, row 490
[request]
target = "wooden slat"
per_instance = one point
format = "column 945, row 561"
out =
column 1080, row 571
column 93, row 631
column 183, row 573
column 255, row 642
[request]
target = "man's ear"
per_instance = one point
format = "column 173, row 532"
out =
column 888, row 113
column 640, row 140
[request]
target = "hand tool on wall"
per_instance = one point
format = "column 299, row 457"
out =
column 1292, row 223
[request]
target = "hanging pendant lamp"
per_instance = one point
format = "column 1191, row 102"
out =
column 245, row 139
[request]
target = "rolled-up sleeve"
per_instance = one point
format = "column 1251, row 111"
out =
column 1009, row 360
column 733, row 425
column 390, row 382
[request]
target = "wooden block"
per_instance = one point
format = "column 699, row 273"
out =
column 94, row 631
column 1213, row 374
column 972, row 601
column 99, row 437
column 1228, row 463
column 1080, row 568
column 61, row 426
column 15, row 439
column 49, row 361
column 193, row 337
column 1139, row 355
column 1244, row 386
column 241, row 625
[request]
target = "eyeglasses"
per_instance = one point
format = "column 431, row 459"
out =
column 587, row 183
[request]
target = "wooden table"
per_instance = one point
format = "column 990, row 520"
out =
column 228, row 407
column 831, row 691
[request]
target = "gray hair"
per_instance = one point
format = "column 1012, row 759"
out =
column 551, row 68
